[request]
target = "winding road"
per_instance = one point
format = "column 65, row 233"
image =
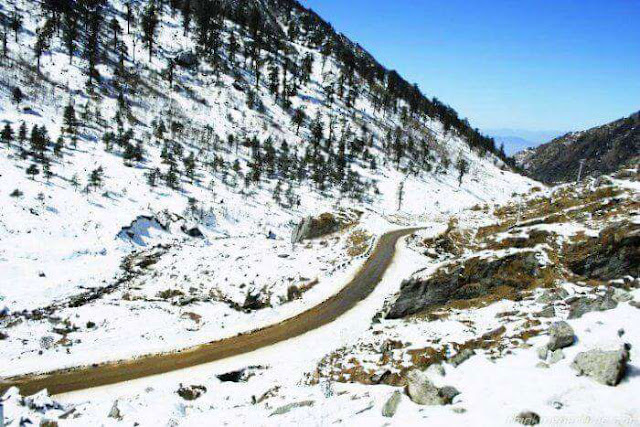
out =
column 355, row 291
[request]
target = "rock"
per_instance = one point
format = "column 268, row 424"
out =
column 461, row 357
column 391, row 405
column 582, row 305
column 620, row 295
column 115, row 411
column 48, row 423
column 314, row 227
column 469, row 279
column 528, row 418
column 191, row 393
column 293, row 293
column 620, row 332
column 613, row 254
column 542, row 365
column 542, row 353
column 192, row 231
column 287, row 408
column 551, row 295
column 547, row 312
column 635, row 304
column 606, row 367
column 561, row 335
column 186, row 59
column 449, row 393
column 556, row 356
column 459, row 410
column 423, row 392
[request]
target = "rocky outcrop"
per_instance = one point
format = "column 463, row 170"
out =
column 473, row 278
column 314, row 227
column 606, row 367
column 579, row 306
column 604, row 150
column 615, row 253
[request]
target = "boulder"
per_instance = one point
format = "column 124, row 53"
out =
column 423, row 392
column 606, row 367
column 550, row 295
column 528, row 418
column 192, row 392
column 391, row 405
column 547, row 312
column 556, row 356
column 461, row 357
column 192, row 231
column 561, row 335
column 186, row 59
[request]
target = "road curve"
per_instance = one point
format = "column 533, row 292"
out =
column 359, row 288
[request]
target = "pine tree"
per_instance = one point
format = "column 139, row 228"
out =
column 7, row 134
column 22, row 133
column 75, row 182
column 70, row 33
column 96, row 178
column 32, row 171
column 16, row 24
column 299, row 116
column 59, row 145
column 70, row 120
column 152, row 177
column 149, row 23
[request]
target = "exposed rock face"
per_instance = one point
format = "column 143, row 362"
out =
column 604, row 149
column 473, row 278
column 312, row 228
column 615, row 253
column 561, row 335
column 192, row 392
column 461, row 357
column 287, row 408
column 606, row 367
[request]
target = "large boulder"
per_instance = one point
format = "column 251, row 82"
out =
column 473, row 278
column 606, row 367
column 423, row 392
column 561, row 335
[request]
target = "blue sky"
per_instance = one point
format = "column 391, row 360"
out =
column 535, row 65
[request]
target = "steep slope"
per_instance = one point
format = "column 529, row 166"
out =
column 603, row 150
column 150, row 148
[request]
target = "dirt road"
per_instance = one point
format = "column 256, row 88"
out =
column 111, row 373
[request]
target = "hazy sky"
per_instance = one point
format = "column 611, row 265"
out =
column 538, row 65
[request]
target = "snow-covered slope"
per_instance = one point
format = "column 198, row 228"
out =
column 139, row 189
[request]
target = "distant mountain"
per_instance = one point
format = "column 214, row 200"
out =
column 516, row 140
column 604, row 149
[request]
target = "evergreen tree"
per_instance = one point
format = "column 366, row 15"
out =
column 96, row 178
column 32, row 171
column 7, row 134
column 299, row 116
column 149, row 23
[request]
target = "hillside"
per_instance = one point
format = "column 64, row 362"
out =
column 604, row 149
column 156, row 157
